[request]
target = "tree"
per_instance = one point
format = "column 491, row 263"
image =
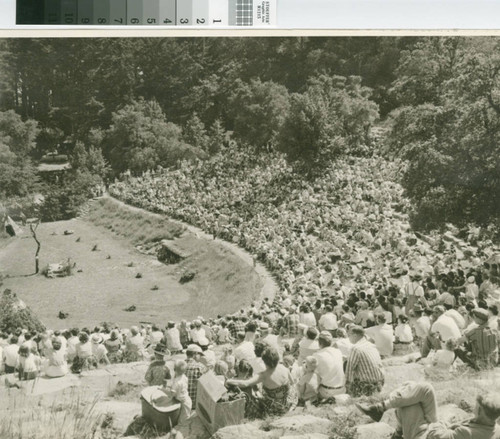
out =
column 333, row 116
column 140, row 138
column 194, row 133
column 259, row 110
column 450, row 135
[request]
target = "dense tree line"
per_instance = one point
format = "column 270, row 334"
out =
column 134, row 104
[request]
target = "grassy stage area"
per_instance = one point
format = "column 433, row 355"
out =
column 115, row 275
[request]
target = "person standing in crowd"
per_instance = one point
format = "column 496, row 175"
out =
column 414, row 293
column 173, row 338
column 180, row 390
column 158, row 371
column 363, row 374
column 194, row 369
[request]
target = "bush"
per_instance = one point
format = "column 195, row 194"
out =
column 15, row 314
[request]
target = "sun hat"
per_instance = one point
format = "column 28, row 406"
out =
column 481, row 313
column 97, row 338
column 194, row 348
column 161, row 349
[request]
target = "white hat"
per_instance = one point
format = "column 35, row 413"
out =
column 194, row 348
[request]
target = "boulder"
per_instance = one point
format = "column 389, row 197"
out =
column 377, row 430
column 301, row 424
column 307, row 436
column 242, row 431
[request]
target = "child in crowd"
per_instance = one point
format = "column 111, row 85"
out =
column 158, row 372
column 223, row 334
column 403, row 332
column 309, row 383
column 179, row 390
column 26, row 364
column 444, row 358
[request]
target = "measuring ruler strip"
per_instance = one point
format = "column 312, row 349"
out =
column 196, row 13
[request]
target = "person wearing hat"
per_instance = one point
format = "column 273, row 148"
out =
column 158, row 372
column 194, row 369
column 99, row 351
column 480, row 349
column 416, row 414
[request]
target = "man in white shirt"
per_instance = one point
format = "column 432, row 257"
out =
column 198, row 335
column 244, row 350
column 328, row 321
column 383, row 336
column 455, row 315
column 443, row 329
column 330, row 367
column 10, row 355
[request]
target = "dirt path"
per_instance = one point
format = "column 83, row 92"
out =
column 269, row 286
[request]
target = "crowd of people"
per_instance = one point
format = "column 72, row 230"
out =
column 356, row 286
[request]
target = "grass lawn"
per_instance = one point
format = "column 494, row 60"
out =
column 110, row 264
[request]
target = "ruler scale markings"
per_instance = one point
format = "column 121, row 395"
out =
column 151, row 12
column 200, row 12
column 185, row 12
column 85, row 11
column 218, row 13
column 69, row 11
column 52, row 13
column 118, row 12
column 167, row 12
column 101, row 12
column 134, row 12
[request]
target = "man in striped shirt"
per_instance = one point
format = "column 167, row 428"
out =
column 481, row 343
column 363, row 375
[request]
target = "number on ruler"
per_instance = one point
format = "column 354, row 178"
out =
column 134, row 20
column 119, row 20
column 200, row 21
column 69, row 19
column 184, row 20
column 101, row 20
column 151, row 20
column 167, row 21
column 85, row 20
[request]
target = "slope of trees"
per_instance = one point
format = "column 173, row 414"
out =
column 449, row 130
column 134, row 104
